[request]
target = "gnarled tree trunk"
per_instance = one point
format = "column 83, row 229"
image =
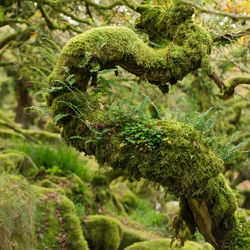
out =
column 173, row 153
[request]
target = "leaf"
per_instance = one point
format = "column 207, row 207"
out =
column 86, row 60
column 59, row 117
column 43, row 91
column 1, row 14
column 88, row 141
column 51, row 42
column 77, row 137
column 95, row 69
column 70, row 79
column 39, row 71
column 55, row 89
column 66, row 69
column 106, row 71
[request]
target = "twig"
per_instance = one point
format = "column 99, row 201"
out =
column 215, row 12
column 217, row 81
column 170, row 47
column 19, row 131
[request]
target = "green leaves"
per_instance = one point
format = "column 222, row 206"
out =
column 59, row 117
column 106, row 71
column 85, row 61
column 70, row 79
column 144, row 135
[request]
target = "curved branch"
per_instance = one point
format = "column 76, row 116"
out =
column 103, row 7
column 231, row 84
column 8, row 39
column 231, row 36
column 220, row 84
column 51, row 25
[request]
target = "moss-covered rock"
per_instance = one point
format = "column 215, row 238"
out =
column 163, row 244
column 131, row 236
column 57, row 225
column 33, row 217
column 102, row 232
column 12, row 161
column 124, row 195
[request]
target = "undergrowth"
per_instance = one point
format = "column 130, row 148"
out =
column 16, row 212
column 150, row 218
column 60, row 160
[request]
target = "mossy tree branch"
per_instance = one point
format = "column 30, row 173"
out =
column 180, row 158
column 231, row 84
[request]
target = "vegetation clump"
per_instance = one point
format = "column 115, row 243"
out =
column 17, row 211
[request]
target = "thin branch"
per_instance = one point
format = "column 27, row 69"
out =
column 242, row 68
column 103, row 7
column 232, row 84
column 13, row 21
column 18, row 131
column 230, row 36
column 73, row 17
column 60, row 3
column 8, row 39
column 217, row 81
column 48, row 20
column 5, row 64
column 215, row 12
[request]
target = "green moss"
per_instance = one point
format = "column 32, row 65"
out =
column 174, row 162
column 57, row 225
column 238, row 237
column 12, row 161
column 107, row 47
column 102, row 232
column 44, row 136
column 131, row 236
column 71, row 225
column 124, row 195
column 8, row 134
column 51, row 127
column 163, row 244
column 167, row 152
column 73, row 187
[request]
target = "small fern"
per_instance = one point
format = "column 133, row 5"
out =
column 230, row 151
